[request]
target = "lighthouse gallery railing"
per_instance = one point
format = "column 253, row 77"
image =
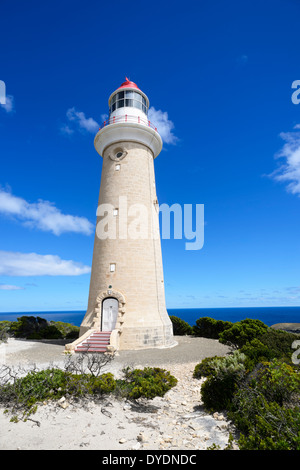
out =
column 128, row 118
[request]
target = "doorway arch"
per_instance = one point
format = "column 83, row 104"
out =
column 102, row 295
column 109, row 314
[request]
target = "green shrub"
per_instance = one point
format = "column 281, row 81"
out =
column 180, row 327
column 28, row 327
column 274, row 428
column 279, row 343
column 205, row 368
column 219, row 388
column 31, row 327
column 148, row 382
column 243, row 332
column 34, row 387
column 264, row 424
column 277, row 381
column 21, row 395
column 67, row 330
column 209, row 328
column 4, row 330
column 217, row 392
column 256, row 352
column 104, row 384
column 270, row 345
column 80, row 385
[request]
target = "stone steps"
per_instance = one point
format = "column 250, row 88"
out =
column 97, row 342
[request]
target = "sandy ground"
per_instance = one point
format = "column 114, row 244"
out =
column 176, row 421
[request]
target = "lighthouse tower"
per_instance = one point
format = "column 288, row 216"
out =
column 126, row 299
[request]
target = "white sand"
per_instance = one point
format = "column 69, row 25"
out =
column 176, row 421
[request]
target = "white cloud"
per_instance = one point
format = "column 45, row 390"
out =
column 65, row 129
column 9, row 104
column 164, row 126
column 9, row 287
column 33, row 264
column 289, row 171
column 80, row 121
column 43, row 215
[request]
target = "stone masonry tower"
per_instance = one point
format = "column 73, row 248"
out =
column 127, row 300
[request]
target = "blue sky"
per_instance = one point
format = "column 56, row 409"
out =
column 219, row 78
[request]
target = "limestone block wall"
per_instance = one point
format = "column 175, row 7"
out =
column 138, row 274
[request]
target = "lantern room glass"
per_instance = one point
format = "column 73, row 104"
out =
column 128, row 98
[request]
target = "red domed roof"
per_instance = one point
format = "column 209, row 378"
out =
column 128, row 84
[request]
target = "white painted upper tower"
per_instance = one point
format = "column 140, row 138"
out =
column 127, row 296
column 128, row 110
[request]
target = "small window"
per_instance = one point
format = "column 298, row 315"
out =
column 115, row 212
column 120, row 104
column 129, row 94
column 112, row 267
column 119, row 154
column 118, row 167
column 138, row 104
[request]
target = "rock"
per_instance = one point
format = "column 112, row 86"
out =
column 136, row 446
column 142, row 437
column 106, row 413
column 64, row 405
column 122, row 441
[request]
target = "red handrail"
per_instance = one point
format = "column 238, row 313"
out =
column 128, row 118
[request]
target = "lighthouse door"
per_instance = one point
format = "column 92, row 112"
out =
column 110, row 307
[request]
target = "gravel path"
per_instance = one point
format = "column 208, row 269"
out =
column 42, row 353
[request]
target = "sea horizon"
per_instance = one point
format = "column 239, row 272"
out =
column 268, row 315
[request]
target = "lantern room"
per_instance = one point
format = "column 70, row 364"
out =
column 129, row 96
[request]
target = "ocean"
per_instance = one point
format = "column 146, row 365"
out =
column 268, row 315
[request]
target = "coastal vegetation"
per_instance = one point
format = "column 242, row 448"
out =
column 31, row 327
column 257, row 385
column 80, row 379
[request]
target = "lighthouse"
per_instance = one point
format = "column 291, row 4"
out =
column 126, row 305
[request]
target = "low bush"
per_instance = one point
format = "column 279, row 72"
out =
column 226, row 374
column 272, row 428
column 277, row 381
column 21, row 395
column 242, row 332
column 205, row 368
column 148, row 382
column 81, row 385
column 209, row 328
column 272, row 344
column 258, row 386
column 30, row 327
column 180, row 327
column 266, row 410
column 4, row 330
